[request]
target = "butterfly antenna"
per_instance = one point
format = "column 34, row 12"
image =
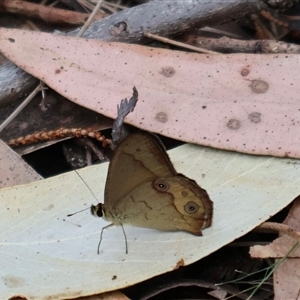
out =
column 86, row 185
column 77, row 212
column 101, row 234
column 126, row 244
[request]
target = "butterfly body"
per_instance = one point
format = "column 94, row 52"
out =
column 143, row 189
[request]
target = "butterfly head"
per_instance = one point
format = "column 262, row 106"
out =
column 97, row 210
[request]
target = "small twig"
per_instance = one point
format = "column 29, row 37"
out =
column 261, row 30
column 179, row 44
column 53, row 3
column 230, row 45
column 46, row 13
column 43, row 102
column 268, row 16
column 39, row 88
column 90, row 19
column 116, row 5
column 90, row 148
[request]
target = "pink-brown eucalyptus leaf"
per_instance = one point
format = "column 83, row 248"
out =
column 242, row 102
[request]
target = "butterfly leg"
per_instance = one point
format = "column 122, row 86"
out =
column 105, row 227
column 126, row 244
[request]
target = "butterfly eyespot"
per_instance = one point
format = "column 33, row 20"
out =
column 161, row 185
column 191, row 207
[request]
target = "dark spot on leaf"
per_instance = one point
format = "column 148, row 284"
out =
column 259, row 86
column 245, row 72
column 161, row 117
column 234, row 124
column 167, row 71
column 255, row 117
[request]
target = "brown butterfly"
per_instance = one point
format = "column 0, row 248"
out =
column 143, row 189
